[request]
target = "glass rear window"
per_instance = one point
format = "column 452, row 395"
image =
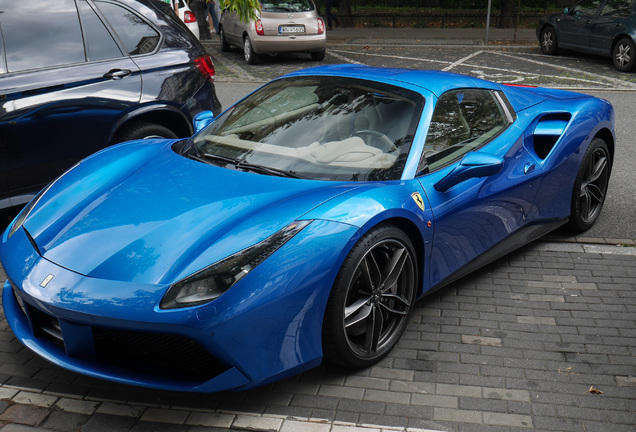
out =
column 323, row 128
column 287, row 6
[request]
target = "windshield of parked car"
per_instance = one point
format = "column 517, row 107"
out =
column 323, row 128
column 287, row 6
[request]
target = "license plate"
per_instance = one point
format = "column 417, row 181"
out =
column 287, row 29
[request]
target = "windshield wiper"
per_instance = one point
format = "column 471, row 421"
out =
column 242, row 165
column 261, row 169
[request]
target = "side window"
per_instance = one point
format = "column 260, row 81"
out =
column 462, row 121
column 53, row 36
column 137, row 36
column 586, row 8
column 618, row 8
column 100, row 45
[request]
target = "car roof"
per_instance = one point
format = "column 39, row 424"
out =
column 436, row 82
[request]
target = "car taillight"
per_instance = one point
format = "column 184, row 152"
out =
column 321, row 26
column 206, row 67
column 189, row 17
column 259, row 28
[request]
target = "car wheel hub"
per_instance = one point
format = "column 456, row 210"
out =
column 623, row 55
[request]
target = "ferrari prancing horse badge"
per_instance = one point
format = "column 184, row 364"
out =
column 418, row 200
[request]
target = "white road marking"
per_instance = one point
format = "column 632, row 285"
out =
column 461, row 61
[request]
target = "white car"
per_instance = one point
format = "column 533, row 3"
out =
column 187, row 16
column 282, row 26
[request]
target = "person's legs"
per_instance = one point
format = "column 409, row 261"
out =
column 212, row 14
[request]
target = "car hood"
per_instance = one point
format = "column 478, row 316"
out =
column 140, row 212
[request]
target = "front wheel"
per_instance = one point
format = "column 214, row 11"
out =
column 590, row 186
column 373, row 295
column 624, row 55
column 548, row 41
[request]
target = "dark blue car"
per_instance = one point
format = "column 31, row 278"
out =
column 78, row 76
column 600, row 27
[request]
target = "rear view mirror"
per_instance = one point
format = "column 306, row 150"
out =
column 474, row 164
column 202, row 120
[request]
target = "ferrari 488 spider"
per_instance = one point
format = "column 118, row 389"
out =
column 300, row 224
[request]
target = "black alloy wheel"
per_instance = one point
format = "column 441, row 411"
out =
column 590, row 187
column 372, row 298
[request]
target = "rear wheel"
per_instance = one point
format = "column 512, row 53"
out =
column 548, row 41
column 370, row 303
column 590, row 187
column 143, row 130
column 318, row 55
column 624, row 55
column 251, row 57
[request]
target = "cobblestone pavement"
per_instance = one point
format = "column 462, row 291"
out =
column 543, row 339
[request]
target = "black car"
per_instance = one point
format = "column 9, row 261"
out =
column 79, row 75
column 601, row 27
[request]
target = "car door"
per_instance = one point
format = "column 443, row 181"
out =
column 610, row 20
column 574, row 28
column 64, row 88
column 474, row 218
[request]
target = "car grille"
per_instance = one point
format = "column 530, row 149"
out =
column 158, row 355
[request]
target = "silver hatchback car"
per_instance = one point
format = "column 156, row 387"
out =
column 282, row 26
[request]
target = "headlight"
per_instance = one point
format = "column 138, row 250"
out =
column 212, row 281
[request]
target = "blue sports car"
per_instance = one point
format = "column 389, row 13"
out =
column 300, row 225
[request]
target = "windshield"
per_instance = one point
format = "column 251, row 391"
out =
column 323, row 128
column 287, row 5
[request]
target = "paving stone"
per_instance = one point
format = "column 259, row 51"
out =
column 65, row 421
column 24, row 414
column 251, row 422
column 77, row 406
column 21, row 428
column 108, row 423
column 120, row 409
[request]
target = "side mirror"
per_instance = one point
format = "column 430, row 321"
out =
column 566, row 11
column 202, row 120
column 474, row 164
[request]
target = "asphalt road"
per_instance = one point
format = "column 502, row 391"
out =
column 517, row 64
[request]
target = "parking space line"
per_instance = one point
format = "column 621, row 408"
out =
column 567, row 68
column 462, row 60
column 517, row 76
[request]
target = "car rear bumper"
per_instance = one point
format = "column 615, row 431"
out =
column 275, row 44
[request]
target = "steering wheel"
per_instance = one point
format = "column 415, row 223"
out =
column 381, row 141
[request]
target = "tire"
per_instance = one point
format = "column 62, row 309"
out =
column 225, row 45
column 365, row 318
column 548, row 41
column 624, row 55
column 318, row 55
column 590, row 186
column 251, row 57
column 143, row 130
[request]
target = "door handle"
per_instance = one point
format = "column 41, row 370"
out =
column 117, row 74
column 528, row 168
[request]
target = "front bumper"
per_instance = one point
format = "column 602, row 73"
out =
column 259, row 331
